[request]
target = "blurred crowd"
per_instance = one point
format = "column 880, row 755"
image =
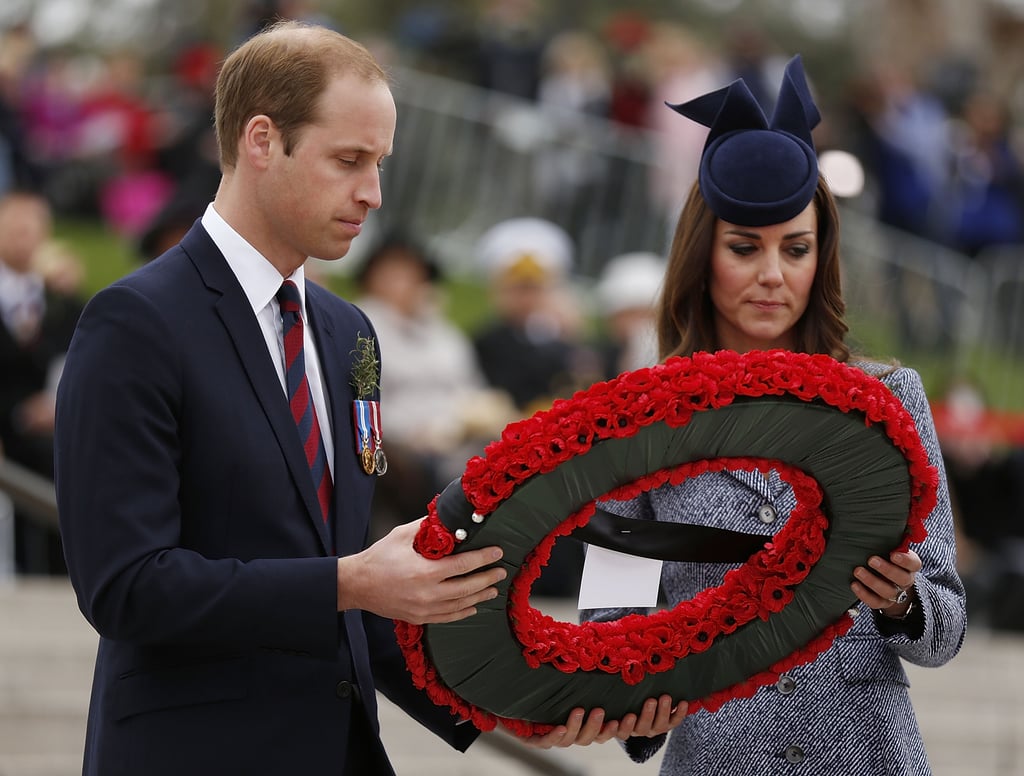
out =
column 119, row 137
column 123, row 133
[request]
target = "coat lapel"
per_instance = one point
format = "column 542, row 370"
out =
column 234, row 310
column 352, row 487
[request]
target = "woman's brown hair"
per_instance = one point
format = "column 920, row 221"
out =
column 685, row 320
column 281, row 73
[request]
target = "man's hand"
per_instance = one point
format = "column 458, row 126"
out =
column 391, row 579
column 657, row 716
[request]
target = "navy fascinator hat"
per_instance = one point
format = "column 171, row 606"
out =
column 754, row 172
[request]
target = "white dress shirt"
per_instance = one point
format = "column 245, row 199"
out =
column 261, row 281
column 22, row 302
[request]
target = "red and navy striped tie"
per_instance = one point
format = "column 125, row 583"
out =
column 299, row 397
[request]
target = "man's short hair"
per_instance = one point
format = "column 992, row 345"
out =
column 281, row 73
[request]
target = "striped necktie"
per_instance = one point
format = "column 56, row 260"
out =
column 299, row 397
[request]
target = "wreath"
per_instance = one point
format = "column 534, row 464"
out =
column 838, row 436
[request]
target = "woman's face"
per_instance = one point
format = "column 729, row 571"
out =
column 761, row 280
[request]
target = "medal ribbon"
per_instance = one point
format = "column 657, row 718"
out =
column 362, row 415
column 378, row 432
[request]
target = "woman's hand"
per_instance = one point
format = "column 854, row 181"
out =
column 888, row 585
column 657, row 716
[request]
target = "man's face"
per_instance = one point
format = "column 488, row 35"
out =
column 315, row 200
column 24, row 227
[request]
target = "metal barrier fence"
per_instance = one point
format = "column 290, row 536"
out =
column 1002, row 319
column 941, row 305
column 468, row 158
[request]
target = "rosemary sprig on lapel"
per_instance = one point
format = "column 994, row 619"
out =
column 365, row 369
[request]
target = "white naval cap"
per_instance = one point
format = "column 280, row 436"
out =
column 525, row 248
column 630, row 280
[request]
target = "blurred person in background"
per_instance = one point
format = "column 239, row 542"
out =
column 49, row 105
column 511, row 37
column 624, row 34
column 901, row 132
column 679, row 65
column 39, row 307
column 749, row 54
column 626, row 297
column 983, row 453
column 438, row 407
column 575, row 88
column 533, row 349
column 119, row 138
column 985, row 198
column 985, row 204
column 532, row 346
column 17, row 169
column 187, row 143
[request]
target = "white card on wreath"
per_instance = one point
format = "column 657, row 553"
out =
column 614, row 579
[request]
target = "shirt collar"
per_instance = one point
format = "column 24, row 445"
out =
column 17, row 287
column 259, row 279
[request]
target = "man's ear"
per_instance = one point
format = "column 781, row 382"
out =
column 258, row 140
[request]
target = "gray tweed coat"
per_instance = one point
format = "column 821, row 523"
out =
column 848, row 713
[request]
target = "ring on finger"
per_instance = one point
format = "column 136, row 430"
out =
column 901, row 596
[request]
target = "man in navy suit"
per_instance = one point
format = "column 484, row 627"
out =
column 243, row 627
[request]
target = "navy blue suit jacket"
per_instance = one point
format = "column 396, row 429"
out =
column 193, row 540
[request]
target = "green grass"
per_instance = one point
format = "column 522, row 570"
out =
column 999, row 374
column 105, row 256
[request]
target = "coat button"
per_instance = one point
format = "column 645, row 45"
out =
column 794, row 754
column 344, row 689
column 766, row 513
column 786, row 684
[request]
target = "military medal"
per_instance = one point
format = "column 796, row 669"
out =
column 366, row 420
column 366, row 456
column 380, row 461
column 365, row 410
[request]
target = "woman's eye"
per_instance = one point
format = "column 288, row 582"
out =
column 742, row 249
column 800, row 250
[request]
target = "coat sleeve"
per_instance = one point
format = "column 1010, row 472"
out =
column 934, row 633
column 119, row 445
column 393, row 679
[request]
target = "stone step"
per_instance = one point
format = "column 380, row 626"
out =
column 37, row 764
column 42, row 732
column 47, row 650
column 971, row 711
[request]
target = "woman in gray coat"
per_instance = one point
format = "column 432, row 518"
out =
column 754, row 266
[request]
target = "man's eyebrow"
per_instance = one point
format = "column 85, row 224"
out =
column 361, row 149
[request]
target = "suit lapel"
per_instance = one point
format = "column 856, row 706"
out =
column 352, row 487
column 236, row 314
